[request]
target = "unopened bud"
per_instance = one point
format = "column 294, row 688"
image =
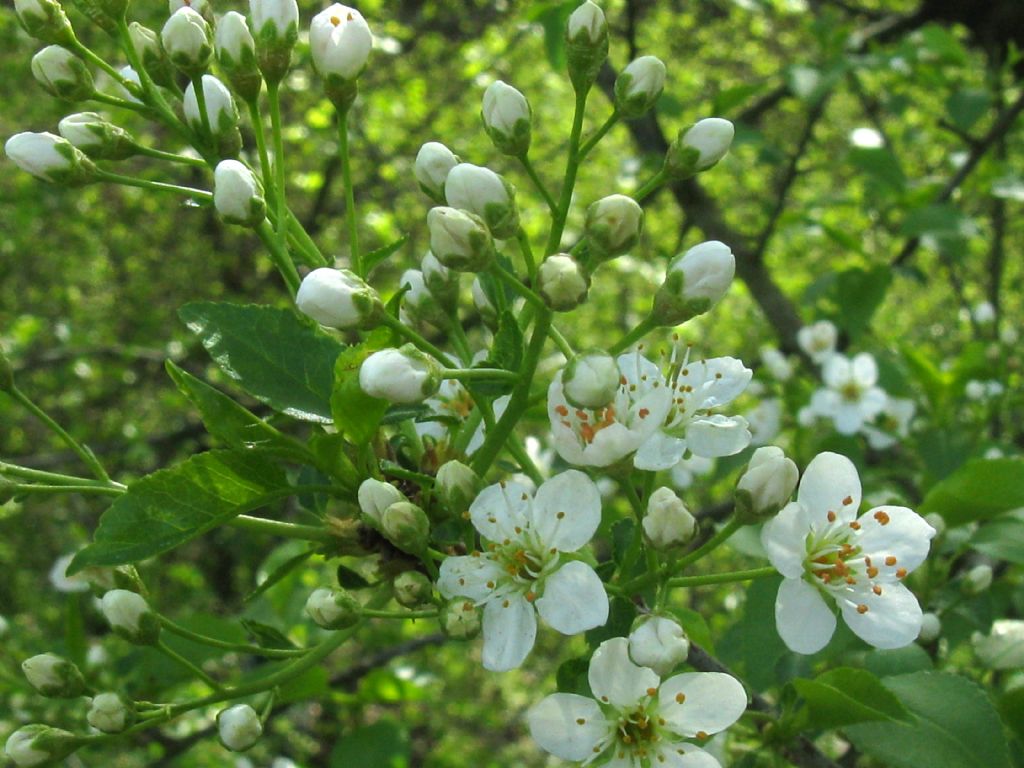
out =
column 50, row 158
column 562, row 282
column 766, row 486
column 506, row 117
column 151, row 53
column 591, row 379
column 97, row 137
column 668, row 523
column 37, row 744
column 694, row 283
column 1003, row 647
column 237, row 194
column 236, row 54
column 333, row 608
column 338, row 298
column 110, row 713
column 586, row 38
column 275, row 26
column 639, row 85
column 699, row 147
column 53, row 677
column 613, row 225
column 442, row 282
column 45, row 20
column 419, row 304
column 340, row 41
column 483, row 304
column 482, row 192
column 406, row 526
column 188, row 41
column 239, row 727
column 375, row 496
column 456, row 487
column 931, row 628
column 202, row 7
column 460, row 240
column 412, row 589
column 403, row 375
column 62, row 74
column 659, row 643
column 221, row 113
column 434, row 162
column 977, row 580
column 130, row 616
column 460, row 619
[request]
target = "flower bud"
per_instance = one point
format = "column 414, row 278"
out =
column 591, row 379
column 221, row 113
column 202, row 7
column 506, row 116
column 103, row 13
column 236, row 54
column 482, row 192
column 132, row 89
column 45, row 20
column 50, row 158
column 639, row 85
column 699, row 147
column 340, row 41
column 53, row 677
column 460, row 619
column 376, row 496
column 419, row 304
column 406, row 526
column 766, row 486
column 668, row 523
column 694, row 283
column 188, row 41
column 460, row 240
column 659, row 643
column 62, row 74
column 586, row 38
column 613, row 225
column 37, row 744
column 237, row 195
column 1003, row 647
column 977, row 580
column 562, row 282
column 442, row 282
column 130, row 616
column 403, row 375
column 97, row 137
column 151, row 53
column 110, row 713
column 412, row 589
column 483, row 304
column 777, row 363
column 456, row 487
column 434, row 161
column 275, row 25
column 239, row 727
column 931, row 628
column 338, row 299
column 333, row 608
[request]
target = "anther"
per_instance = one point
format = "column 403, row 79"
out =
column 890, row 560
column 881, row 517
column 862, row 609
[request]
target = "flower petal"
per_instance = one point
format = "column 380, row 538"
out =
column 566, row 511
column 828, row 481
column 864, row 370
column 615, row 679
column 499, row 509
column 804, row 621
column 610, row 444
column 848, row 418
column 683, row 755
column 568, row 726
column 725, row 379
column 659, row 452
column 701, row 702
column 718, row 435
column 837, row 371
column 469, row 576
column 887, row 532
column 510, row 627
column 784, row 538
column 639, row 371
column 892, row 619
column 574, row 599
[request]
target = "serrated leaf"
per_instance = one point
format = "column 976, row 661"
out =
column 846, row 696
column 175, row 505
column 374, row 258
column 272, row 354
column 507, row 349
column 979, row 490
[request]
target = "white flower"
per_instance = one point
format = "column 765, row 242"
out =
column 1003, row 647
column 821, row 548
column 778, row 364
column 818, row 340
column 765, row 421
column 636, row 719
column 434, row 162
column 237, row 195
column 892, row 423
column 220, row 107
column 850, row 396
column 931, row 628
column 984, row 313
column 658, row 642
column 602, row 436
column 522, row 571
column 199, row 6
column 978, row 579
column 340, row 42
column 281, row 15
column 108, row 713
column 402, row 375
column 61, row 581
column 337, row 298
column 239, row 727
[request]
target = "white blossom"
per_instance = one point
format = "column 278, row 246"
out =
column 337, row 298
column 818, row 340
column 340, row 41
column 850, row 397
column 777, row 364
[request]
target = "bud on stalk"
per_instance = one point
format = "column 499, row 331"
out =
column 613, row 225
column 202, row 7
column 275, row 25
column 221, row 113
column 419, row 303
column 586, row 39
column 412, row 589
column 659, row 643
column 53, row 677
column 236, row 54
column 506, row 117
column 97, row 137
column 239, row 727
column 62, row 74
column 110, row 713
column 562, row 282
column 338, row 298
column 333, row 609
column 188, row 41
column 375, row 496
column 456, row 487
column 591, row 379
column 237, row 195
column 37, row 744
column 406, row 526
column 403, row 375
column 151, row 52
column 130, row 616
column 698, row 148
column 434, row 161
column 482, row 192
column 340, row 41
column 460, row 240
column 694, row 283
column 638, row 86
column 45, row 20
column 668, row 523
column 766, row 486
column 50, row 158
column 442, row 282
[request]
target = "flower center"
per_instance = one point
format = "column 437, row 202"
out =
column 588, row 424
column 850, row 392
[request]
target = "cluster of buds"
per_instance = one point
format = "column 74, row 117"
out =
column 386, row 509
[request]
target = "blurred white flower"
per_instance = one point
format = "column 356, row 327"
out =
column 850, row 396
column 818, row 340
column 61, row 581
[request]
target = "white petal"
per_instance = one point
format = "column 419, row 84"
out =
column 555, row 724
column 625, row 760
column 894, row 532
column 848, row 418
column 615, row 679
column 718, row 435
column 611, row 444
column 468, row 577
column 574, row 599
column 873, row 402
column 567, row 511
column 701, row 701
column 510, row 627
column 726, row 378
column 683, row 755
column 784, row 538
column 892, row 619
column 499, row 509
column 836, row 371
column 804, row 621
column 828, row 481
column 659, row 452
column 864, row 370
column 639, row 371
column 825, row 402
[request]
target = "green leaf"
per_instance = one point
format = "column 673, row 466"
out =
column 552, row 17
column 752, row 645
column 881, row 165
column 356, row 414
column 1002, row 539
column 571, row 676
column 375, row 258
column 266, row 636
column 927, row 374
column 979, row 490
column 276, row 357
column 381, row 745
column 955, row 726
column 857, row 293
column 507, row 350
column 967, row 106
column 169, row 507
column 846, row 696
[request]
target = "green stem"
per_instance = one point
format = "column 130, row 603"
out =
column 312, row 250
column 266, row 173
column 518, row 451
column 569, row 182
column 158, row 186
column 204, row 117
column 281, row 258
column 710, row 545
column 380, row 614
column 531, row 296
column 114, row 101
column 89, row 55
column 721, row 578
column 644, row 327
column 213, row 642
column 479, row 374
column 54, row 477
column 599, row 134
column 194, row 669
column 274, row 98
column 172, row 157
column 538, row 184
column 80, row 450
column 458, row 338
column 418, row 341
column 396, row 470
column 281, row 528
column 350, row 198
column 84, row 489
column 652, row 185
column 527, row 250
